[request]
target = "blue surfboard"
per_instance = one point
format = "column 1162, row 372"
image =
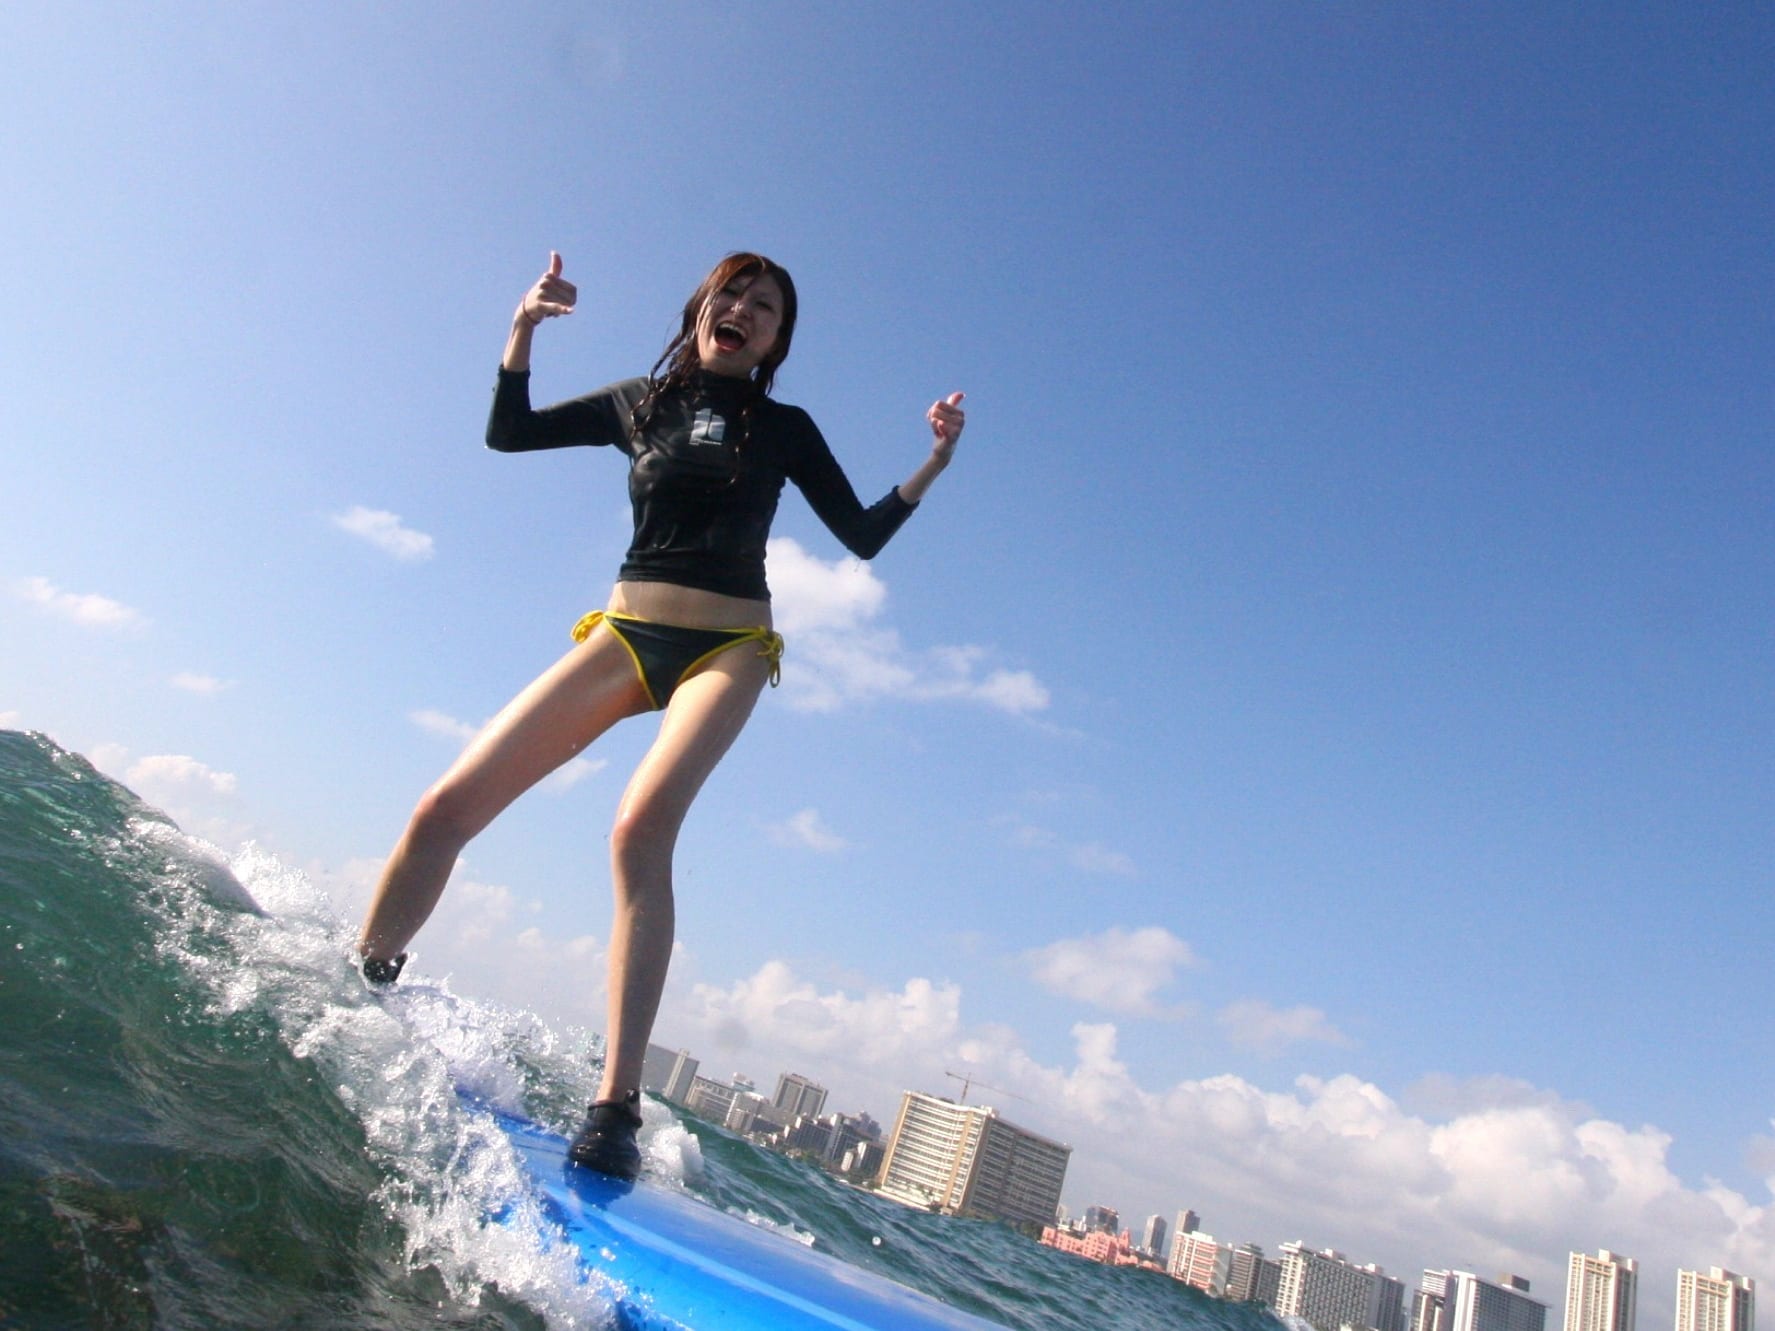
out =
column 673, row 1262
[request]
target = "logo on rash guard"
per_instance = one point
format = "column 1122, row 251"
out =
column 708, row 428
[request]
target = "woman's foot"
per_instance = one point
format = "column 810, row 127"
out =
column 384, row 972
column 607, row 1141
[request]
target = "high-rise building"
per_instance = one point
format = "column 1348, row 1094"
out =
column 750, row 1113
column 1102, row 1220
column 812, row 1135
column 830, row 1137
column 1388, row 1311
column 851, row 1130
column 1152, row 1238
column 1198, row 1260
column 1717, row 1301
column 1252, row 1278
column 710, row 1099
column 1188, row 1222
column 668, row 1073
column 1601, row 1292
column 796, row 1095
column 862, row 1159
column 1322, row 1288
column 966, row 1160
column 1483, row 1305
column 1429, row 1305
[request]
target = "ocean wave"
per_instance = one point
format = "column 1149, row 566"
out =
column 207, row 1119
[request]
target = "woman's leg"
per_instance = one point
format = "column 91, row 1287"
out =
column 702, row 721
column 577, row 699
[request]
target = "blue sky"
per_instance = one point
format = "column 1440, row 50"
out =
column 1314, row 745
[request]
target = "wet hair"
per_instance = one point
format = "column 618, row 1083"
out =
column 681, row 360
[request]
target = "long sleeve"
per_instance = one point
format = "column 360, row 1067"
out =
column 863, row 531
column 600, row 418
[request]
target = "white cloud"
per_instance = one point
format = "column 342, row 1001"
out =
column 1084, row 856
column 1440, row 1096
column 1012, row 691
column 177, row 771
column 196, row 796
column 1255, row 1024
column 350, row 885
column 572, row 772
column 11, row 720
column 1089, row 857
column 1119, row 970
column 111, row 759
column 774, row 1010
column 386, row 532
column 479, row 913
column 439, row 723
column 809, row 594
column 87, row 609
column 200, row 684
column 486, row 937
column 808, row 831
column 836, row 657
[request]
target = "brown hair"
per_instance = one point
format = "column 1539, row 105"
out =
column 681, row 360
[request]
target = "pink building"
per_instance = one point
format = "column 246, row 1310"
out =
column 1109, row 1249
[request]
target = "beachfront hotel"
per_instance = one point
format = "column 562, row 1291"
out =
column 965, row 1160
column 1252, row 1277
column 1324, row 1288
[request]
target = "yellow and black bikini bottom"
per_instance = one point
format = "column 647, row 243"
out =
column 665, row 655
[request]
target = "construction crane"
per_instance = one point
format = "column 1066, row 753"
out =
column 967, row 1081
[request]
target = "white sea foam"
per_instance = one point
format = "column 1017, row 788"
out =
column 801, row 1236
column 401, row 1063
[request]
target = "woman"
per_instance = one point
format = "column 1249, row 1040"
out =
column 687, row 630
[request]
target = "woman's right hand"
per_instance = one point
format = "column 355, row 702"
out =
column 551, row 297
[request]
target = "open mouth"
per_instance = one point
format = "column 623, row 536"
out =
column 729, row 337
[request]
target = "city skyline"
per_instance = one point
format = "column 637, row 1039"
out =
column 1320, row 1286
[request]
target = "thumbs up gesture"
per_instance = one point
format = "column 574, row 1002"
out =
column 551, row 297
column 947, row 419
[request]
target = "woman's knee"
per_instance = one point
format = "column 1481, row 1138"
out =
column 445, row 815
column 643, row 836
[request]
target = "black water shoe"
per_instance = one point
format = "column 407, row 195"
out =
column 384, row 972
column 607, row 1141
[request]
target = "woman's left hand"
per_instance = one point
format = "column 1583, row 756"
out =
column 947, row 419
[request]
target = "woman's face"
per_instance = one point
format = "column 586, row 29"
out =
column 739, row 325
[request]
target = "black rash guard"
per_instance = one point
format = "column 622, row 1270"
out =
column 703, row 497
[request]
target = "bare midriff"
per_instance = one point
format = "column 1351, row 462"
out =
column 687, row 607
